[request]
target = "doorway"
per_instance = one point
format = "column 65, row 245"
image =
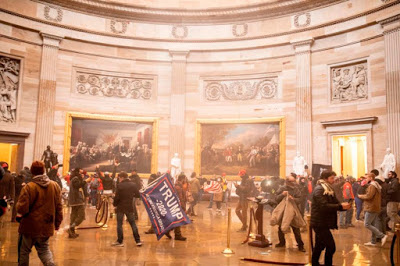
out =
column 9, row 154
column 349, row 155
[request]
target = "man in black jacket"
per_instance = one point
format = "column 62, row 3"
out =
column 324, row 209
column 393, row 205
column 243, row 191
column 291, row 190
column 125, row 192
column 77, row 199
column 383, row 214
column 135, row 178
column 7, row 186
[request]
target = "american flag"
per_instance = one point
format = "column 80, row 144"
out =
column 213, row 187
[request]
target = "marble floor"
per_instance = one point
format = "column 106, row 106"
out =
column 206, row 239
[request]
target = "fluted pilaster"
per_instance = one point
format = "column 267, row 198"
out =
column 391, row 27
column 47, row 93
column 303, row 99
column 178, row 102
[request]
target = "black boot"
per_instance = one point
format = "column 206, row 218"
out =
column 301, row 249
column 168, row 235
column 71, row 233
column 180, row 238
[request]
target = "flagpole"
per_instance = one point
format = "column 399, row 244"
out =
column 228, row 249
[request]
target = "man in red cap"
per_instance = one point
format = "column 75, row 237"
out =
column 243, row 191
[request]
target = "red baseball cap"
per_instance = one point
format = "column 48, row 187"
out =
column 242, row 172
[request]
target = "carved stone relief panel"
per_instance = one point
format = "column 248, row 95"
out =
column 241, row 89
column 111, row 84
column 302, row 20
column 240, row 30
column 9, row 84
column 54, row 14
column 118, row 26
column 349, row 82
column 179, row 31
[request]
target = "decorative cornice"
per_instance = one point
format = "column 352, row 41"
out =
column 302, row 46
column 240, row 33
column 59, row 16
column 361, row 120
column 307, row 22
column 331, row 23
column 129, row 11
column 51, row 40
column 179, row 31
column 390, row 24
column 14, row 134
column 179, row 56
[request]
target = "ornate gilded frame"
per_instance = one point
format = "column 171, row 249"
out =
column 282, row 140
column 68, row 128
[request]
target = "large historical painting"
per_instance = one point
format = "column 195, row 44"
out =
column 230, row 147
column 95, row 142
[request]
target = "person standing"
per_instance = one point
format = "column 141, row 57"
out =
column 194, row 189
column 291, row 190
column 152, row 178
column 348, row 196
column 179, row 187
column 125, row 193
column 393, row 205
column 359, row 203
column 19, row 184
column 243, row 191
column 382, row 218
column 77, row 198
column 94, row 186
column 40, row 213
column 324, row 208
column 372, row 205
column 7, row 186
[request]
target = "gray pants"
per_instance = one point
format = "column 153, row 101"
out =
column 25, row 244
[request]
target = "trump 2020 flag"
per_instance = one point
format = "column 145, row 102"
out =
column 163, row 206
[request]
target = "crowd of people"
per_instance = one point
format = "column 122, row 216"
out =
column 330, row 200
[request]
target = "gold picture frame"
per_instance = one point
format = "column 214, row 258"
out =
column 282, row 140
column 68, row 131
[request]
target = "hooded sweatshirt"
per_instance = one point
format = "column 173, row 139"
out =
column 39, row 204
column 372, row 199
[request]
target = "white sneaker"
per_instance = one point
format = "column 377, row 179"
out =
column 117, row 244
column 369, row 244
column 384, row 239
column 139, row 244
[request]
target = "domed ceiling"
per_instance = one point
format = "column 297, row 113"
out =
column 191, row 11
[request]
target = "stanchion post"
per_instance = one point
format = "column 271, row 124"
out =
column 310, row 249
column 228, row 249
column 397, row 232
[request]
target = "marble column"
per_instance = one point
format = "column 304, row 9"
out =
column 303, row 99
column 178, row 104
column 47, row 94
column 391, row 33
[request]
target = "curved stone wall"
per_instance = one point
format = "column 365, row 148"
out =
column 299, row 54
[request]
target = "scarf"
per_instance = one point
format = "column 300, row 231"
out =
column 327, row 187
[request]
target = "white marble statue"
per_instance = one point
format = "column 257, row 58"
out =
column 389, row 163
column 298, row 164
column 176, row 167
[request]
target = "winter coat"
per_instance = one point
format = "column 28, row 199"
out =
column 393, row 190
column 125, row 192
column 195, row 186
column 338, row 188
column 136, row 179
column 7, row 186
column 244, row 189
column 384, row 195
column 287, row 214
column 181, row 192
column 372, row 200
column 40, row 206
column 77, row 191
column 324, row 208
column 293, row 191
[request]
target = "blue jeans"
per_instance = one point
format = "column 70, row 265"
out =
column 359, row 206
column 371, row 222
column 93, row 196
column 131, row 220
